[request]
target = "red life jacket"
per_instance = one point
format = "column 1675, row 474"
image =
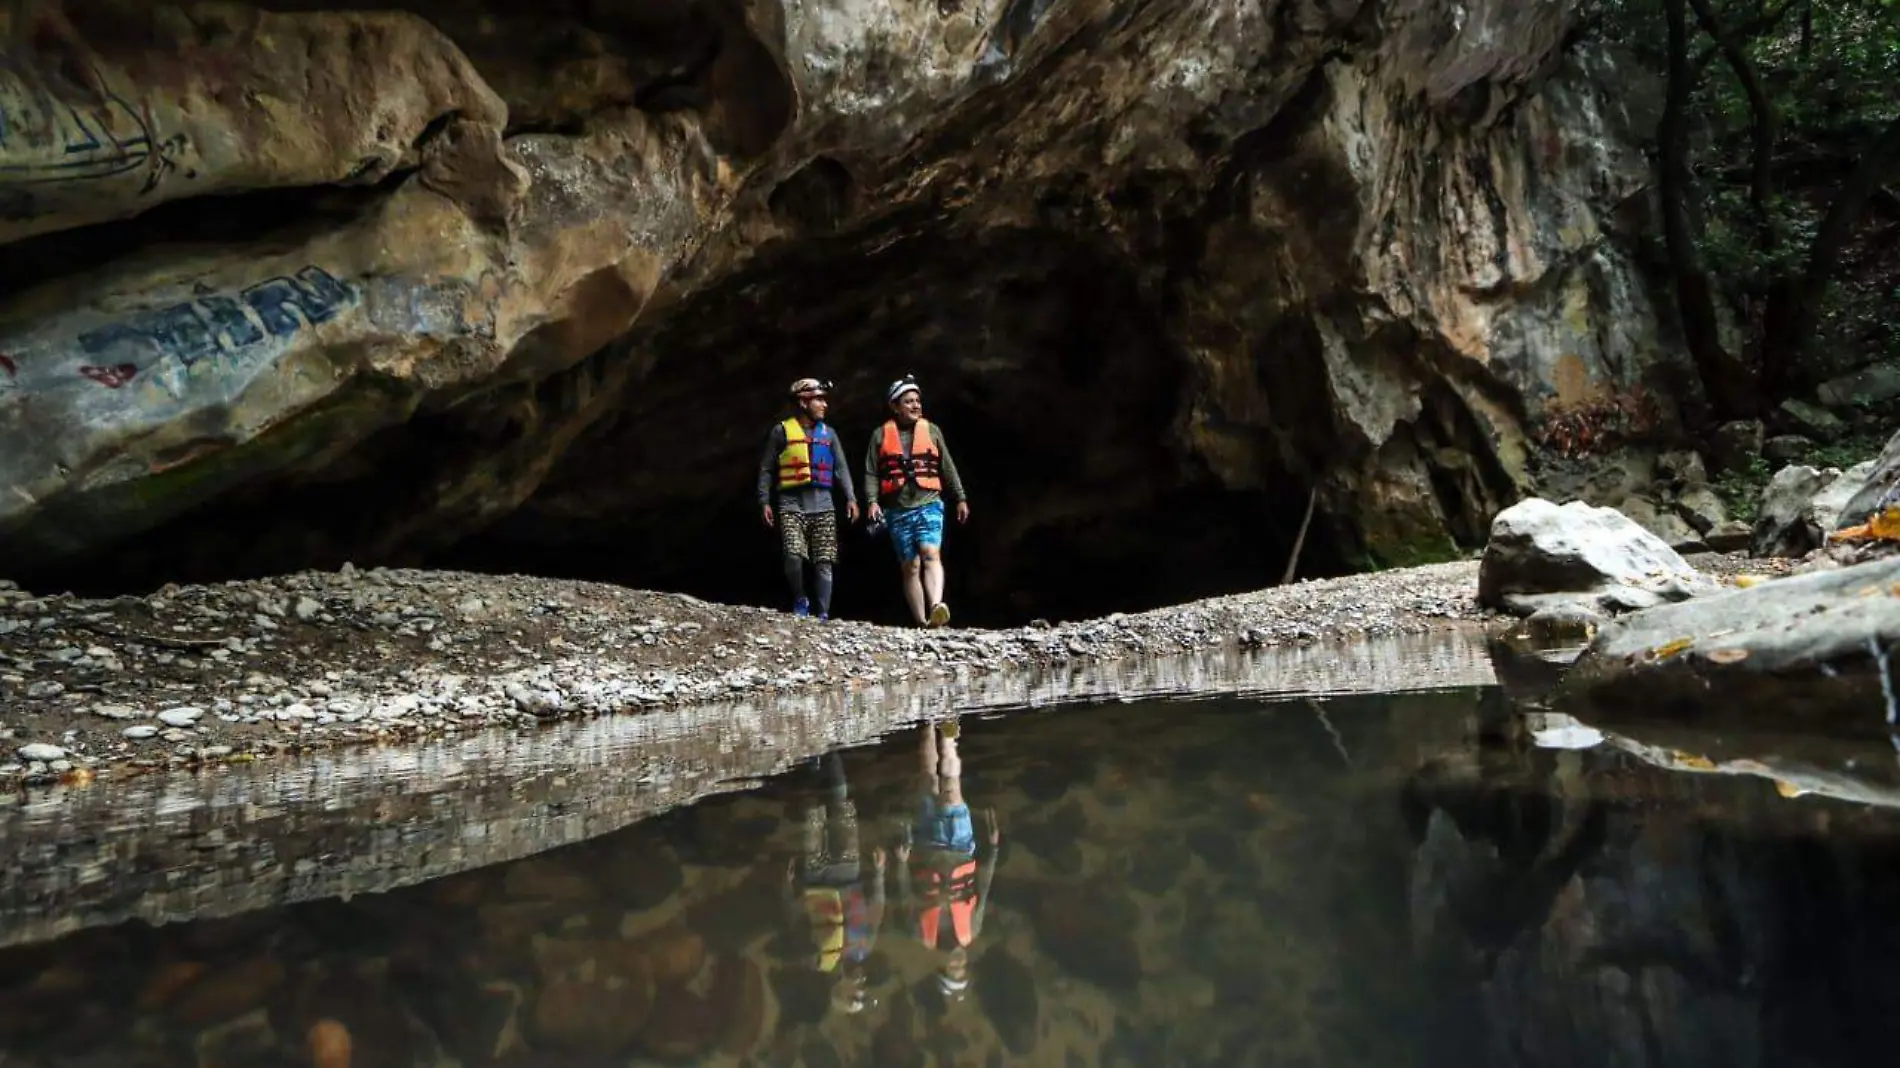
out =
column 958, row 893
column 923, row 466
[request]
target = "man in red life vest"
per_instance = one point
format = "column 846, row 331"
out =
column 907, row 475
column 801, row 479
column 825, row 889
column 943, row 879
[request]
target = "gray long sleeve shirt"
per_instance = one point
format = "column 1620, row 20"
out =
column 806, row 499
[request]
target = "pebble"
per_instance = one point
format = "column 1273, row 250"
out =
column 548, row 648
column 44, row 689
column 40, row 752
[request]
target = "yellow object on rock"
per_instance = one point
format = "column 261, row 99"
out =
column 1882, row 526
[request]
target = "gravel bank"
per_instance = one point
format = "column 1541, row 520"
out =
column 239, row 671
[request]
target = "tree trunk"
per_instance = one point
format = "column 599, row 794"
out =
column 1762, row 128
column 1794, row 303
column 1729, row 385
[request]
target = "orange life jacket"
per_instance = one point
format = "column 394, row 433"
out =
column 958, row 893
column 924, row 465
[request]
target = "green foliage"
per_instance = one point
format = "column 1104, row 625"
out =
column 1845, row 453
column 1740, row 489
column 1829, row 69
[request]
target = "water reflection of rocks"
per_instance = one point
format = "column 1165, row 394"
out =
column 1171, row 885
column 171, row 847
column 1642, row 903
column 1407, row 881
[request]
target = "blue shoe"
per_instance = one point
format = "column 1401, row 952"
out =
column 801, row 607
column 824, row 617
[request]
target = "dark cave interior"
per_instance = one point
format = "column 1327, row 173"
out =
column 1054, row 380
column 1048, row 367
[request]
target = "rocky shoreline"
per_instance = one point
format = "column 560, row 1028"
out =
column 205, row 675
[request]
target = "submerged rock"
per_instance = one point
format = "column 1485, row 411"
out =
column 1542, row 555
column 1808, row 650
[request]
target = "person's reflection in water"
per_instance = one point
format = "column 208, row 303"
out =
column 825, row 889
column 951, row 877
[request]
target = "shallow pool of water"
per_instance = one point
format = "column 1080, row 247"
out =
column 1377, row 880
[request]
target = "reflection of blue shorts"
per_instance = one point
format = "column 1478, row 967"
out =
column 916, row 528
column 945, row 826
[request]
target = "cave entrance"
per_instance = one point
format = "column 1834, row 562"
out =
column 1052, row 373
column 1056, row 385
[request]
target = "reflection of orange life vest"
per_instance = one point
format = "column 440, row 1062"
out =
column 923, row 466
column 959, row 892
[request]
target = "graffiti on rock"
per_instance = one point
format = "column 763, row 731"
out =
column 213, row 324
column 52, row 131
column 110, row 377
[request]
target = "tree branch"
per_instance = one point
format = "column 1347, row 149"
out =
column 1793, row 307
column 1763, row 124
column 1763, row 23
column 1729, row 385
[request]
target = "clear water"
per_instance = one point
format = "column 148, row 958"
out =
column 1376, row 880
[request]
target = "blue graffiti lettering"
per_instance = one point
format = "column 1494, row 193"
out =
column 227, row 316
column 313, row 292
column 107, row 340
column 212, row 324
column 182, row 332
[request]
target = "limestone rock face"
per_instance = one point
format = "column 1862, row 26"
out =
column 290, row 286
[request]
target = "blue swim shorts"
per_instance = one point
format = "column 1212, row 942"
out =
column 947, row 827
column 915, row 529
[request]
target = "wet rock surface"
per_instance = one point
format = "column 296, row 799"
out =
column 1810, row 649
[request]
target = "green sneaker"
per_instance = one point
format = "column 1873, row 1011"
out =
column 939, row 615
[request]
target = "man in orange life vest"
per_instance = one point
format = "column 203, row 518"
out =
column 907, row 474
column 825, row 890
column 800, row 473
column 951, row 890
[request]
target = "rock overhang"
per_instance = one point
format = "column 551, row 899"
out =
column 1345, row 308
